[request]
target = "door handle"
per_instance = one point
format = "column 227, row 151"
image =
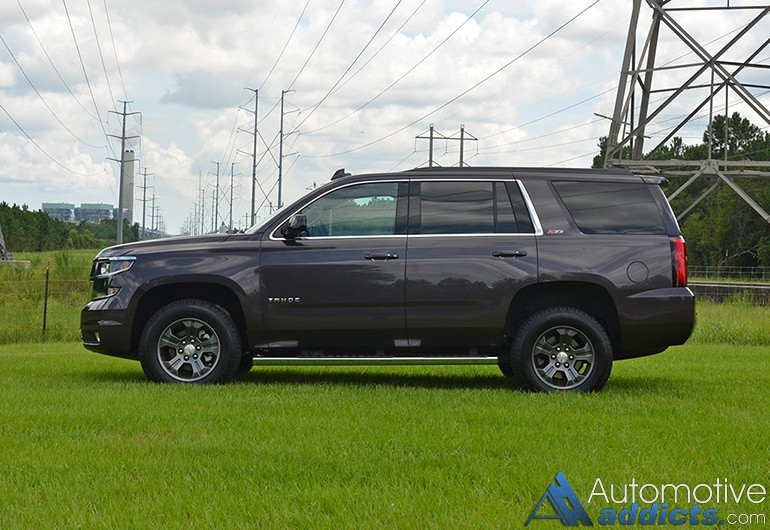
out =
column 509, row 253
column 380, row 256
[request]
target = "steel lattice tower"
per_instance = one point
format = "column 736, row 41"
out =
column 658, row 101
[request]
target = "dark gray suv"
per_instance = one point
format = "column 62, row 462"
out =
column 550, row 273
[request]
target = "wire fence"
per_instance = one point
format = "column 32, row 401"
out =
column 721, row 274
column 41, row 301
column 749, row 285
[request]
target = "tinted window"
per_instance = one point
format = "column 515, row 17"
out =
column 359, row 210
column 611, row 207
column 457, row 208
column 523, row 220
column 477, row 207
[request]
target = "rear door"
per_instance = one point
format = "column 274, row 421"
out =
column 471, row 247
column 341, row 284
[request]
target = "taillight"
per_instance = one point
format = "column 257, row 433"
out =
column 679, row 261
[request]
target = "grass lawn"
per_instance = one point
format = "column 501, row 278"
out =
column 86, row 442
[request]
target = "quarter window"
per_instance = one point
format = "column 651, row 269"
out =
column 611, row 207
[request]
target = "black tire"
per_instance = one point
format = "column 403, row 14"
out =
column 561, row 349
column 504, row 363
column 247, row 362
column 190, row 341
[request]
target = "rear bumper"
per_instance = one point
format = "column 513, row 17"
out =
column 652, row 321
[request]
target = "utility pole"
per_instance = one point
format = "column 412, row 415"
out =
column 144, row 202
column 213, row 219
column 122, row 161
column 232, row 175
column 216, row 199
column 152, row 215
column 253, row 212
column 201, row 201
column 462, row 143
column 280, row 152
column 433, row 134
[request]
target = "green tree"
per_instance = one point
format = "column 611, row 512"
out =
column 723, row 229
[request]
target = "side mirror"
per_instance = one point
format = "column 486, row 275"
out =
column 294, row 228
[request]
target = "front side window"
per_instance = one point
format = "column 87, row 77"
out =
column 358, row 210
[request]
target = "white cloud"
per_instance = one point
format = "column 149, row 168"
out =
column 185, row 64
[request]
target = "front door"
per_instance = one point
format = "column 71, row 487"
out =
column 341, row 283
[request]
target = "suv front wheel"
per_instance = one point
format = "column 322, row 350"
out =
column 190, row 341
column 561, row 349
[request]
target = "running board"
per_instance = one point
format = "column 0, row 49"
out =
column 370, row 361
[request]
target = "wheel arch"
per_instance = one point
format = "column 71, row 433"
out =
column 161, row 295
column 591, row 298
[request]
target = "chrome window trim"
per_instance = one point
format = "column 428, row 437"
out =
column 530, row 207
column 538, row 229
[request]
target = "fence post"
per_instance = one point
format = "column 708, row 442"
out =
column 45, row 296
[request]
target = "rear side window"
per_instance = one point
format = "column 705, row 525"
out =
column 611, row 207
column 471, row 207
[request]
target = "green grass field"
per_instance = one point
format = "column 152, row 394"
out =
column 87, row 443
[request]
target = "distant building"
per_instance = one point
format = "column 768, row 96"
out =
column 62, row 211
column 93, row 213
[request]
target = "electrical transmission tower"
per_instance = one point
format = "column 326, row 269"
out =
column 654, row 93
column 4, row 253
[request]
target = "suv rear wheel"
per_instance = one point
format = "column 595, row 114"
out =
column 561, row 349
column 190, row 341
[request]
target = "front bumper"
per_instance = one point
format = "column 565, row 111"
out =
column 106, row 331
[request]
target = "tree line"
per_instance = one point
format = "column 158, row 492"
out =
column 722, row 230
column 25, row 230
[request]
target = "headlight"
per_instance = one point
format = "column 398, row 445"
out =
column 104, row 270
column 111, row 266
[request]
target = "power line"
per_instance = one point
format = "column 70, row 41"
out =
column 42, row 99
column 41, row 148
column 233, row 131
column 101, row 55
column 366, row 46
column 465, row 92
column 286, row 45
column 53, row 65
column 394, row 83
column 312, row 53
column 376, row 53
column 115, row 50
column 85, row 74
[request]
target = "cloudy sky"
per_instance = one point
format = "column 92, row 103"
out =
column 363, row 79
